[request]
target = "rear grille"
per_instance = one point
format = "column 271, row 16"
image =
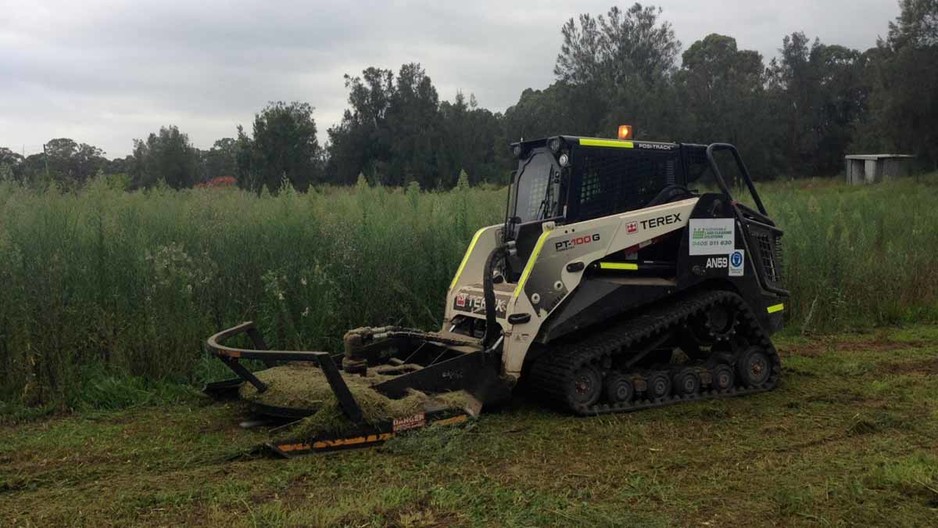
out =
column 766, row 245
column 766, row 253
column 779, row 257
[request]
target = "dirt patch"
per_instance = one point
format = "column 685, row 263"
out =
column 927, row 367
column 874, row 344
column 417, row 514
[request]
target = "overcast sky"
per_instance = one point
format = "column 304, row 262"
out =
column 105, row 72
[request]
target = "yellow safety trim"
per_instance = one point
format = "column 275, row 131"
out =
column 338, row 442
column 530, row 265
column 594, row 142
column 355, row 440
column 618, row 266
column 465, row 259
column 286, row 448
column 460, row 418
column 775, row 308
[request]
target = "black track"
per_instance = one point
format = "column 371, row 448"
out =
column 553, row 373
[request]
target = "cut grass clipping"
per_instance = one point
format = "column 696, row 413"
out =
column 303, row 386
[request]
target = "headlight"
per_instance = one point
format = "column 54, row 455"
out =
column 554, row 145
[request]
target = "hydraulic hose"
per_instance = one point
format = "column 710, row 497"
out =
column 492, row 329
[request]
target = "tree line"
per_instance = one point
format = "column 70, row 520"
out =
column 795, row 116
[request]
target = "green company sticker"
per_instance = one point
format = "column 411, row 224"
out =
column 712, row 236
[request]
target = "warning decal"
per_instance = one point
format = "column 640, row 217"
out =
column 737, row 263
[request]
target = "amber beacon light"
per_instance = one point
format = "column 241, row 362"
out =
column 625, row 131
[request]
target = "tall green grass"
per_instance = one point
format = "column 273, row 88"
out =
column 136, row 281
column 129, row 284
column 859, row 256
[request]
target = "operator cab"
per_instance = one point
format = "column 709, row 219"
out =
column 570, row 179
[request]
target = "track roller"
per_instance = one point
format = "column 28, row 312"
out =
column 686, row 382
column 619, row 388
column 753, row 367
column 723, row 377
column 585, row 387
column 659, row 385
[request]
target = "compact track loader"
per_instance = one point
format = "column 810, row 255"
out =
column 611, row 286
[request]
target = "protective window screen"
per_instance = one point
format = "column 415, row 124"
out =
column 617, row 180
column 534, row 199
column 537, row 191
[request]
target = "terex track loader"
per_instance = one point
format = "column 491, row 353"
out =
column 611, row 286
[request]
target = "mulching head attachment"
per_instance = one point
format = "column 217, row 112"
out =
column 390, row 380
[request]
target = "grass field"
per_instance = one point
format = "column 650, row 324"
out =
column 847, row 439
column 108, row 295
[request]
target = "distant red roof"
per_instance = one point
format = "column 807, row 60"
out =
column 220, row 181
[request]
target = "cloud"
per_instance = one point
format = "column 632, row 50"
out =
column 105, row 72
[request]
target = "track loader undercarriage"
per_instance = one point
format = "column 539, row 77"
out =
column 610, row 287
column 632, row 364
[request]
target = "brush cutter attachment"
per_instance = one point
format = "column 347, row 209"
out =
column 425, row 361
column 389, row 380
column 232, row 357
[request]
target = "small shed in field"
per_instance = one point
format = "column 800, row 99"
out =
column 872, row 168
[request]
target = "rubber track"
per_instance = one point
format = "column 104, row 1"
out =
column 554, row 371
